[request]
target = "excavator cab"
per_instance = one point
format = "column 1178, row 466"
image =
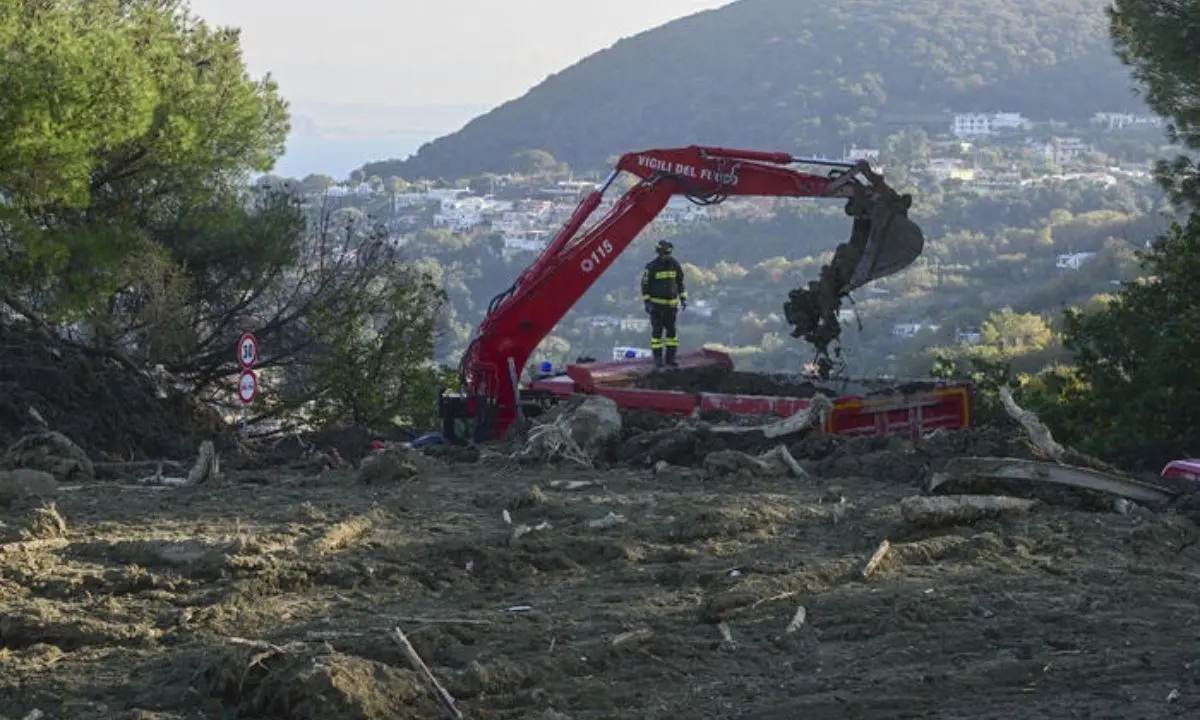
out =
column 883, row 241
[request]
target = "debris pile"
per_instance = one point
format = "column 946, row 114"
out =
column 717, row 379
column 990, row 471
column 583, row 432
column 104, row 408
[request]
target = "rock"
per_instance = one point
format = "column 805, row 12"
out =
column 595, row 425
column 388, row 466
column 24, row 483
column 51, row 452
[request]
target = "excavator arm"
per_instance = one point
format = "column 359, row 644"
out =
column 883, row 241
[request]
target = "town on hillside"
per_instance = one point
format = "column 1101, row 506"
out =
column 979, row 157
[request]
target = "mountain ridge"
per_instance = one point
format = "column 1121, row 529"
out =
column 757, row 74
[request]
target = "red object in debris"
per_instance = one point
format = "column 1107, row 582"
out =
column 622, row 373
column 944, row 406
column 1184, row 469
column 377, row 446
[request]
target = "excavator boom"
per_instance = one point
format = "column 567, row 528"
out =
column 883, row 241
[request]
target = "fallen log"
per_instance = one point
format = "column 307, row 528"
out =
column 942, row 510
column 1033, row 471
column 775, row 462
column 818, row 410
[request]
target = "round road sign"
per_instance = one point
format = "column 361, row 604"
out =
column 247, row 351
column 248, row 386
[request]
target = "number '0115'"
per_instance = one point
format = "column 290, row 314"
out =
column 602, row 252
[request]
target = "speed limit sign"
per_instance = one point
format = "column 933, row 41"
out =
column 247, row 387
column 247, row 351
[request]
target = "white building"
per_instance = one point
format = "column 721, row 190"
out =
column 635, row 324
column 949, row 169
column 910, row 330
column 604, row 321
column 1060, row 151
column 982, row 124
column 527, row 241
column 1073, row 261
column 442, row 195
column 855, row 153
column 1120, row 121
column 970, row 336
column 461, row 215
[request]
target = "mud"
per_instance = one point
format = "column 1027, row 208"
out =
column 274, row 596
column 107, row 410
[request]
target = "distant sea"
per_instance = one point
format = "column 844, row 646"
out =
column 338, row 157
column 336, row 139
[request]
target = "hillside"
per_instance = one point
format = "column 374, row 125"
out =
column 768, row 74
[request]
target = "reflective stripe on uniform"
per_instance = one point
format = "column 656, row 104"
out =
column 665, row 301
column 665, row 275
column 672, row 342
column 656, row 343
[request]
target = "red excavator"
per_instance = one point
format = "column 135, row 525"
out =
column 883, row 241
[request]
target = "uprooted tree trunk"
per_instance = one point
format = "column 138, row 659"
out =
column 1043, row 440
column 1065, row 467
column 925, row 511
column 815, row 415
column 580, row 434
column 686, row 442
column 773, row 463
column 1032, row 472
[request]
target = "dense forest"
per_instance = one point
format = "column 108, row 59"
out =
column 813, row 76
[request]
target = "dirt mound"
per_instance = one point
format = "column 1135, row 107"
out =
column 722, row 380
column 282, row 682
column 103, row 407
column 892, row 459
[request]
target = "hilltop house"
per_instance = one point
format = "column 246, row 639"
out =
column 1073, row 261
column 1061, row 151
column 855, row 153
column 1111, row 121
column 981, row 124
column 525, row 241
column 950, row 169
column 910, row 330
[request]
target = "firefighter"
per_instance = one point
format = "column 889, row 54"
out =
column 664, row 295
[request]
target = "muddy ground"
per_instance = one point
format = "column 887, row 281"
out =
column 273, row 594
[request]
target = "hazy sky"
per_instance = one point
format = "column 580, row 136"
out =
column 425, row 52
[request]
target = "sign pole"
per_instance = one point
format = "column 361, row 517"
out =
column 247, row 389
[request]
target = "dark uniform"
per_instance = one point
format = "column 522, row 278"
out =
column 664, row 296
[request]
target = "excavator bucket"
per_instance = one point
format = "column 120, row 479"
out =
column 882, row 242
